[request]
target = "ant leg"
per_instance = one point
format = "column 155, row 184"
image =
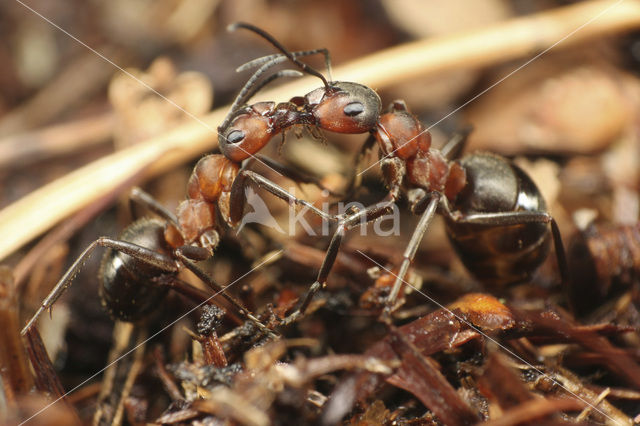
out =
column 395, row 169
column 456, row 144
column 361, row 217
column 293, row 174
column 193, row 293
column 205, row 278
column 154, row 258
column 198, row 296
column 410, row 252
column 523, row 217
column 146, row 200
column 561, row 256
column 325, row 268
column 237, row 196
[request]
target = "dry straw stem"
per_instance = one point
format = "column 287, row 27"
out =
column 25, row 148
column 521, row 37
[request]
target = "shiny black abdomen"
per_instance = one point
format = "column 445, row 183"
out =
column 498, row 255
column 127, row 286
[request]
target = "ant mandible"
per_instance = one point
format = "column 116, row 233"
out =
column 342, row 107
column 496, row 217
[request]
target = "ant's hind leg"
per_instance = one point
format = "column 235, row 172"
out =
column 151, row 257
column 561, row 256
column 205, row 278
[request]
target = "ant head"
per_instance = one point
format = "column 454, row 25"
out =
column 345, row 107
column 244, row 134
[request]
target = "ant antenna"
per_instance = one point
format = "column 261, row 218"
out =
column 251, row 87
column 259, row 61
column 256, row 88
column 304, row 67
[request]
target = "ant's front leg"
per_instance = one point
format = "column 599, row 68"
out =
column 393, row 168
column 159, row 260
column 237, row 197
column 295, row 175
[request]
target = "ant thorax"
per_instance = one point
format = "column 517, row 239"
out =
column 401, row 135
column 431, row 171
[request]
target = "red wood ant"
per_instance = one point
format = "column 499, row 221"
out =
column 495, row 216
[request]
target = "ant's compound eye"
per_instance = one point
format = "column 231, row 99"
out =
column 353, row 109
column 235, row 136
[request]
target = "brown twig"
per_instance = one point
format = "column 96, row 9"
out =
column 78, row 81
column 535, row 409
column 25, row 148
